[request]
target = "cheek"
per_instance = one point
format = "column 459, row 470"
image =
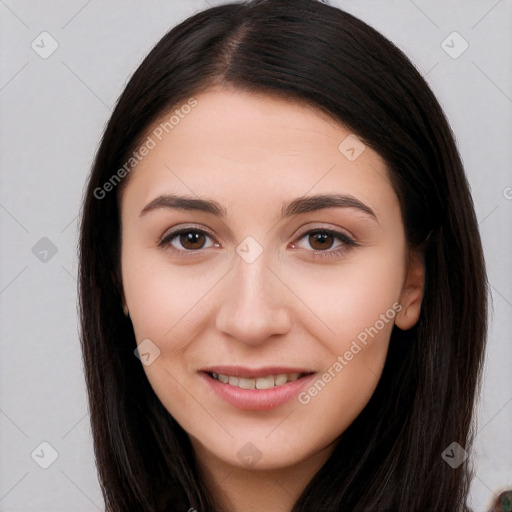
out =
column 357, row 305
column 165, row 307
column 353, row 298
column 162, row 297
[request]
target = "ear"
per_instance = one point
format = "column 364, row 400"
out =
column 412, row 291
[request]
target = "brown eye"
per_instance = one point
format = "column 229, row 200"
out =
column 192, row 240
column 187, row 240
column 326, row 243
column 321, row 240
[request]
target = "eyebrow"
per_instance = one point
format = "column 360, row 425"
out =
column 300, row 205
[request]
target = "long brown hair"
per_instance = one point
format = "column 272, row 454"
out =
column 390, row 458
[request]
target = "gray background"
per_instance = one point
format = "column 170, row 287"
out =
column 53, row 111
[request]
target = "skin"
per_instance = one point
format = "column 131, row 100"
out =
column 252, row 154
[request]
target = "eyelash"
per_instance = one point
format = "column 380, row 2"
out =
column 348, row 243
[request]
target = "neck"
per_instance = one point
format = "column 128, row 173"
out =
column 238, row 489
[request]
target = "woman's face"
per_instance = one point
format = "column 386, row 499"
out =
column 264, row 314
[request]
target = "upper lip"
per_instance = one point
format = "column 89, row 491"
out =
column 252, row 373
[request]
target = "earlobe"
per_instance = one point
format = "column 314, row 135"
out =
column 412, row 291
column 116, row 280
column 123, row 302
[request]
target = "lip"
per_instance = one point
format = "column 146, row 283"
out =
column 255, row 399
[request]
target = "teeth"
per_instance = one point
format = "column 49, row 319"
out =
column 267, row 382
column 280, row 380
column 246, row 383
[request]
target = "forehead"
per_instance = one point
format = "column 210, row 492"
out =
column 242, row 148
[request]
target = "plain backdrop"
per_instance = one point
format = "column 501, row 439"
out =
column 63, row 65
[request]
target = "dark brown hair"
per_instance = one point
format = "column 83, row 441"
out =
column 389, row 459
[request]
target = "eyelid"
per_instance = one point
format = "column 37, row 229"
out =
column 347, row 240
column 347, row 243
column 328, row 229
column 172, row 233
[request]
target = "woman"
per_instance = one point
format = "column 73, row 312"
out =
column 282, row 284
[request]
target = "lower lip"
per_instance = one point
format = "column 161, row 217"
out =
column 257, row 399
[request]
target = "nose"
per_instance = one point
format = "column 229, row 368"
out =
column 254, row 303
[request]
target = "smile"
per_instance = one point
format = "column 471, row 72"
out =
column 267, row 382
column 259, row 389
